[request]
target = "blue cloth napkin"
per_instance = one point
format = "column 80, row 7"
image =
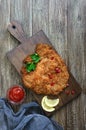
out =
column 29, row 117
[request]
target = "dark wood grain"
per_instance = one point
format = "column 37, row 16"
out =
column 17, row 55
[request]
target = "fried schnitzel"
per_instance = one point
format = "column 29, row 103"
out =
column 50, row 76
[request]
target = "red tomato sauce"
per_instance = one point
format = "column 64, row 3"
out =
column 16, row 94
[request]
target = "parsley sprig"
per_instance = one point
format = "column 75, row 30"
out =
column 31, row 66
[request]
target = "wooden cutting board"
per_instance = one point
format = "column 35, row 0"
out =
column 26, row 47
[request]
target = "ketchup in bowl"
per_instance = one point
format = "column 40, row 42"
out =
column 16, row 94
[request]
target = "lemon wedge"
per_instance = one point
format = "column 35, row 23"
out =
column 51, row 102
column 45, row 107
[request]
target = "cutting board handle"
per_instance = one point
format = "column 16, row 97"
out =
column 16, row 30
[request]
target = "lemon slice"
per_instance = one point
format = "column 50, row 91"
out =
column 45, row 107
column 51, row 102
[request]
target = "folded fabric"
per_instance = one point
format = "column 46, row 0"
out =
column 29, row 117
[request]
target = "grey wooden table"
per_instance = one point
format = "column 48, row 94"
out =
column 64, row 22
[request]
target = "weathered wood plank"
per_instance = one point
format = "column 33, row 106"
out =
column 40, row 16
column 58, row 26
column 58, row 37
column 76, row 61
column 4, row 46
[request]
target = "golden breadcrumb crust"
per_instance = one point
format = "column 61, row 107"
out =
column 45, row 79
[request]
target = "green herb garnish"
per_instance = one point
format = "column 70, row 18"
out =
column 30, row 66
column 35, row 57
